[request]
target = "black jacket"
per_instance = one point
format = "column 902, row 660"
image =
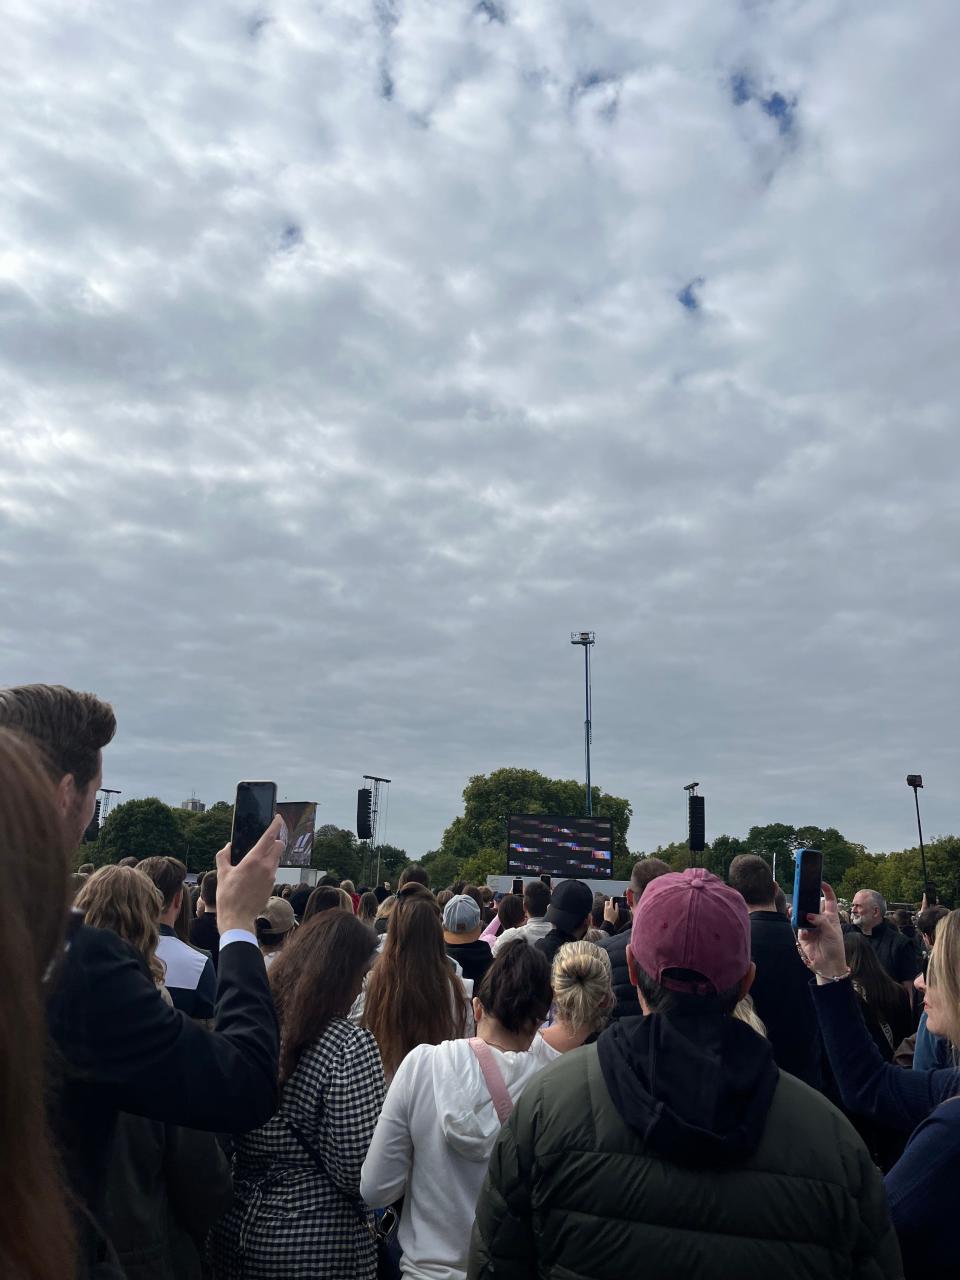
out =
column 674, row 1148
column 551, row 943
column 895, row 951
column 781, row 996
column 205, row 934
column 627, row 1005
column 474, row 958
column 120, row 1047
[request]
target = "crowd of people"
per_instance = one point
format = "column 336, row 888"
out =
column 258, row 1081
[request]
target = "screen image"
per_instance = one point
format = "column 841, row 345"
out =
column 300, row 817
column 566, row 848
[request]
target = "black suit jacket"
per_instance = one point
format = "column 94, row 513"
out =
column 120, row 1047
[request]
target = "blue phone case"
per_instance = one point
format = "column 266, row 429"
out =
column 802, row 860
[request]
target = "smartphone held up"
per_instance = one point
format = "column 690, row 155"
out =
column 253, row 811
column 807, row 881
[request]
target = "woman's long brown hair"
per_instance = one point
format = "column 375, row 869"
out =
column 36, row 1230
column 413, row 995
column 316, row 978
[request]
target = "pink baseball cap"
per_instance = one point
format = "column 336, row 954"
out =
column 692, row 920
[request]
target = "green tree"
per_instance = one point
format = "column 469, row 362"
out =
column 140, row 829
column 337, row 851
column 443, row 868
column 723, row 850
column 838, row 853
column 206, row 834
column 490, row 799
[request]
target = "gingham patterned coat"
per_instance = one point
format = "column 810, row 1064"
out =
column 287, row 1222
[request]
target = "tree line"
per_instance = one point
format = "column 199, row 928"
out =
column 474, row 845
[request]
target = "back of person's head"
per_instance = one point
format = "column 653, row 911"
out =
column 596, row 911
column 903, row 919
column 326, row 898
column 36, row 1232
column 69, row 729
column 326, row 880
column 645, row 871
column 300, row 895
column 86, row 869
column 870, row 977
column 348, row 886
column 128, row 903
column 780, row 902
column 413, row 995
column 316, row 978
column 443, row 897
column 929, row 918
column 516, row 988
column 689, row 950
column 368, row 907
column 536, row 899
column 510, row 911
column 752, row 878
column 129, row 861
column 208, row 890
column 414, row 874
column 168, row 874
column 487, row 894
column 582, row 982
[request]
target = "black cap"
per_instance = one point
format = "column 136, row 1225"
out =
column 570, row 905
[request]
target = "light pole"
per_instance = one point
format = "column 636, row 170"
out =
column 587, row 639
column 915, row 782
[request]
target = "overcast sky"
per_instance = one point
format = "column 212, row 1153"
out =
column 354, row 353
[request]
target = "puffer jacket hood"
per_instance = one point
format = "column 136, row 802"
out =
column 698, row 1090
column 468, row 1119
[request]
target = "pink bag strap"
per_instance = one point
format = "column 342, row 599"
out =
column 493, row 1078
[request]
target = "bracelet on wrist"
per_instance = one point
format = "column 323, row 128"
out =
column 832, row 977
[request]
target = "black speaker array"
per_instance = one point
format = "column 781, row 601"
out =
column 364, row 802
column 698, row 828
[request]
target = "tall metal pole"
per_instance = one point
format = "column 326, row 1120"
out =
column 923, row 856
column 586, row 638
column 587, row 727
column 915, row 782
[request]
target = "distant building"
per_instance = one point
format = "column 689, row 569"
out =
column 193, row 805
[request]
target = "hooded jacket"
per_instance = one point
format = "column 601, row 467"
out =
column 675, row 1148
column 432, row 1144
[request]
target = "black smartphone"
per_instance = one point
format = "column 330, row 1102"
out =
column 253, row 811
column 806, row 886
column 518, row 886
column 546, row 880
column 622, row 904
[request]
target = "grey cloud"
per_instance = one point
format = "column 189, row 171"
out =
column 321, row 430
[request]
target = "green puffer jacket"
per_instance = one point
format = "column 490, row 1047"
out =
column 675, row 1150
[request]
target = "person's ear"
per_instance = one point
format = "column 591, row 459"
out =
column 67, row 794
column 631, row 899
column 477, row 1011
column 631, row 968
column 746, row 982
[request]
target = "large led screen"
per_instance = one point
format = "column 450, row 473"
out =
column 566, row 848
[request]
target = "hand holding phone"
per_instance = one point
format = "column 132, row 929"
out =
column 242, row 889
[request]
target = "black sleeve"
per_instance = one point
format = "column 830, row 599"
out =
column 206, row 993
column 905, row 964
column 160, row 1063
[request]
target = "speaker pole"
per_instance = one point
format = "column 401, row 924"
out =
column 587, row 639
column 915, row 782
